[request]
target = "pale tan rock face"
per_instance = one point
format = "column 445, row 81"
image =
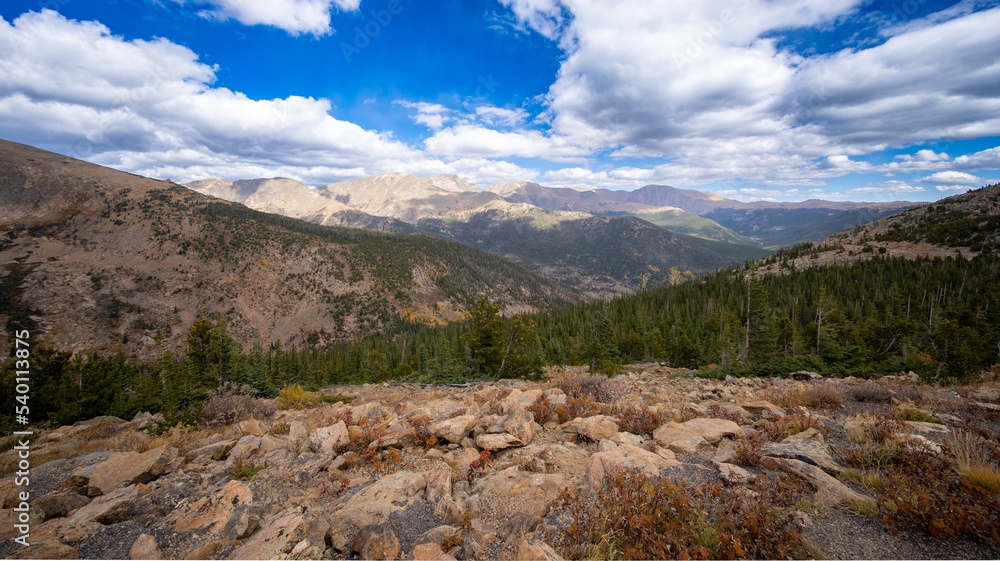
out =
column 713, row 430
column 626, row 456
column 594, row 428
column 126, row 468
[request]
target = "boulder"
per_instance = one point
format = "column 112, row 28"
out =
column 298, row 437
column 374, row 504
column 760, row 407
column 733, row 474
column 145, row 548
column 687, row 445
column 215, row 450
column 672, row 432
column 274, row 538
column 251, row 427
column 516, row 428
column 438, row 482
column 626, row 456
column 429, row 552
column 513, row 492
column 517, row 399
column 537, row 551
column 394, row 439
column 808, row 451
column 454, row 429
column 829, row 491
column 128, row 468
column 48, row 549
column 713, row 430
column 245, row 447
column 212, row 513
column 59, row 504
column 594, row 428
column 327, row 439
column 377, row 542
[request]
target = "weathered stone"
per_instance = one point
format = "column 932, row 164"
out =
column 145, row 547
column 829, row 491
column 733, row 474
column 453, row 429
column 513, row 492
column 494, row 442
column 808, row 451
column 48, row 549
column 251, row 427
column 377, row 542
column 204, row 551
column 245, row 448
column 59, row 504
column 713, row 430
column 759, row 407
column 626, row 456
column 517, row 428
column 438, row 535
column 989, row 395
column 429, row 552
column 809, row 434
column 213, row 512
column 241, row 523
column 672, row 432
column 272, row 539
column 488, row 394
column 325, row 440
column 374, row 504
column 687, row 445
column 106, row 509
column 518, row 399
column 537, row 551
column 298, row 437
column 520, row 525
column 215, row 450
column 143, row 420
column 927, row 429
column 594, row 428
column 723, row 456
column 127, row 468
column 438, row 482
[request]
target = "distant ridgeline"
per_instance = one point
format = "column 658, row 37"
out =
column 937, row 317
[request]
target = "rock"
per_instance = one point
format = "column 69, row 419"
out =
column 809, row 434
column 723, row 456
column 918, row 441
column 205, row 551
column 989, row 395
column 59, row 504
column 517, row 399
column 829, row 491
column 145, row 548
column 927, row 429
column 713, row 430
column 517, row 428
column 394, row 439
column 805, row 376
column 212, row 513
column 733, row 474
column 128, row 468
column 327, row 439
column 377, row 542
column 245, row 447
column 429, row 552
column 521, row 525
column 687, row 445
column 438, row 535
column 274, row 538
column 241, row 523
column 453, row 429
column 106, row 509
column 672, row 432
column 606, row 445
column 537, row 551
column 374, row 504
column 216, row 450
column 808, row 451
column 487, row 394
column 594, row 428
column 438, row 482
column 48, row 549
column 759, row 407
column 251, row 427
column 513, row 492
column 298, row 437
column 627, row 457
column 143, row 420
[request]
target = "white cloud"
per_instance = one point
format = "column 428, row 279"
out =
column 294, row 16
column 498, row 116
column 946, row 177
column 952, row 188
column 888, row 188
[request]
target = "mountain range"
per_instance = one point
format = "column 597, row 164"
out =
column 601, row 242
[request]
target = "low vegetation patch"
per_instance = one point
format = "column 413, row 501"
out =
column 824, row 395
column 635, row 516
column 231, row 403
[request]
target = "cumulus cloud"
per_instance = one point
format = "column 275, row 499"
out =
column 150, row 107
column 294, row 16
column 946, row 177
column 888, row 188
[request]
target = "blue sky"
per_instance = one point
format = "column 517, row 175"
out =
column 754, row 99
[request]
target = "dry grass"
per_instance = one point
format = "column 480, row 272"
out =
column 869, row 429
column 826, row 395
column 973, row 459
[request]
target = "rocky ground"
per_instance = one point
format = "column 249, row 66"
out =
column 490, row 470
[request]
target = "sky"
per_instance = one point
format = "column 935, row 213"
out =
column 786, row 100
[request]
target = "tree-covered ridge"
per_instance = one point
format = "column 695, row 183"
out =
column 970, row 220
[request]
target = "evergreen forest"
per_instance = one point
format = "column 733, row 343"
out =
column 937, row 317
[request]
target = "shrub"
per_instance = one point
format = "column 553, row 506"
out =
column 911, row 413
column 422, row 435
column 600, row 388
column 296, row 397
column 231, row 403
column 826, row 395
column 384, row 462
column 477, row 468
column 636, row 420
column 635, row 516
column 779, row 429
column 244, row 468
column 749, row 448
